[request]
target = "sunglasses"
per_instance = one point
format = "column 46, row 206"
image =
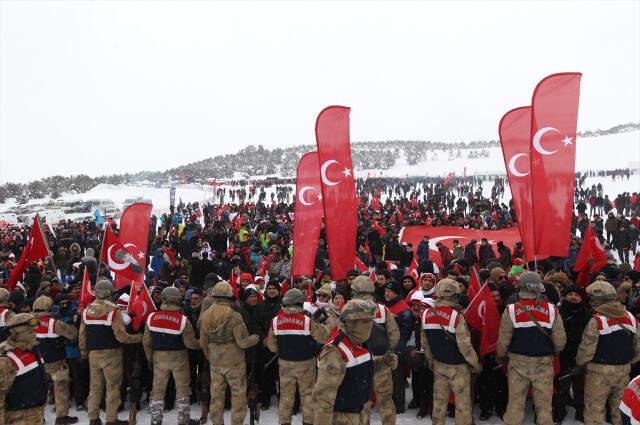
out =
column 502, row 278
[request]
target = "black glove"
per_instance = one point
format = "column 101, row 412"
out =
column 319, row 316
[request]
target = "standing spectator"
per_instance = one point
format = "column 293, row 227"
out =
column 423, row 248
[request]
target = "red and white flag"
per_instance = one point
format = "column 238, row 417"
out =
column 413, row 269
column 35, row 249
column 86, row 292
column 482, row 313
column 140, row 305
column 515, row 140
column 474, row 284
column 121, row 258
column 554, row 119
column 134, row 234
column 309, row 213
column 591, row 256
column 360, row 266
column 338, row 188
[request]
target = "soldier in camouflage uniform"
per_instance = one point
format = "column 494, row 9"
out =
column 345, row 369
column 223, row 338
column 295, row 337
column 167, row 336
column 610, row 344
column 448, row 352
column 5, row 313
column 531, row 334
column 23, row 387
column 102, row 333
column 384, row 337
column 51, row 334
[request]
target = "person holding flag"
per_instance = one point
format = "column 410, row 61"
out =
column 102, row 333
column 446, row 342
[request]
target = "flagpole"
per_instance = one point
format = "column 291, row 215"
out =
column 46, row 240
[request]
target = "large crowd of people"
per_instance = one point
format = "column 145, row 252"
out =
column 245, row 237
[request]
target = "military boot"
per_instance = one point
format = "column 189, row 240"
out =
column 66, row 420
column 155, row 410
column 184, row 415
column 117, row 422
column 95, row 422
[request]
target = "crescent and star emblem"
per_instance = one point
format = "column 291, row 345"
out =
column 512, row 165
column 303, row 191
column 537, row 138
column 323, row 172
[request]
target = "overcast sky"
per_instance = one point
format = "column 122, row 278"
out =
column 108, row 87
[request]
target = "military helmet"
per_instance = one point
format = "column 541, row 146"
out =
column 103, row 289
column 293, row 297
column 357, row 310
column 447, row 288
column 602, row 291
column 42, row 303
column 222, row 290
column 362, row 285
column 21, row 322
column 171, row 295
column 4, row 295
column 531, row 282
column 325, row 290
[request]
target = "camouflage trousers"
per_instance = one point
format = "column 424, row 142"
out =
column 383, row 388
column 303, row 375
column 105, row 366
column 522, row 374
column 165, row 364
column 449, row 378
column 33, row 416
column 606, row 384
column 59, row 373
column 342, row 418
column 236, row 378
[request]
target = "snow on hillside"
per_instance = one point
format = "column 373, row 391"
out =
column 593, row 153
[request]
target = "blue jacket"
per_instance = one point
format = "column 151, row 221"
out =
column 71, row 317
column 423, row 251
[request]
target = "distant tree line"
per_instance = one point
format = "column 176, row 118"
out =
column 256, row 160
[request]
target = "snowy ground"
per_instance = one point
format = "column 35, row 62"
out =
column 270, row 417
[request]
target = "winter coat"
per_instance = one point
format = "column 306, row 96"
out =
column 485, row 253
column 575, row 318
column 423, row 251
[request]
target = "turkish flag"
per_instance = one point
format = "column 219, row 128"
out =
column 140, row 304
column 360, row 266
column 515, row 140
column 284, row 287
column 134, row 234
column 413, row 268
column 554, row 118
column 86, row 293
column 591, row 256
column 474, row 284
column 35, row 249
column 448, row 178
column 121, row 258
column 482, row 313
column 338, row 188
column 309, row 213
column 447, row 234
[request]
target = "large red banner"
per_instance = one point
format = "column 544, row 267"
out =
column 554, row 118
column 447, row 234
column 515, row 137
column 338, row 188
column 309, row 212
column 134, row 234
